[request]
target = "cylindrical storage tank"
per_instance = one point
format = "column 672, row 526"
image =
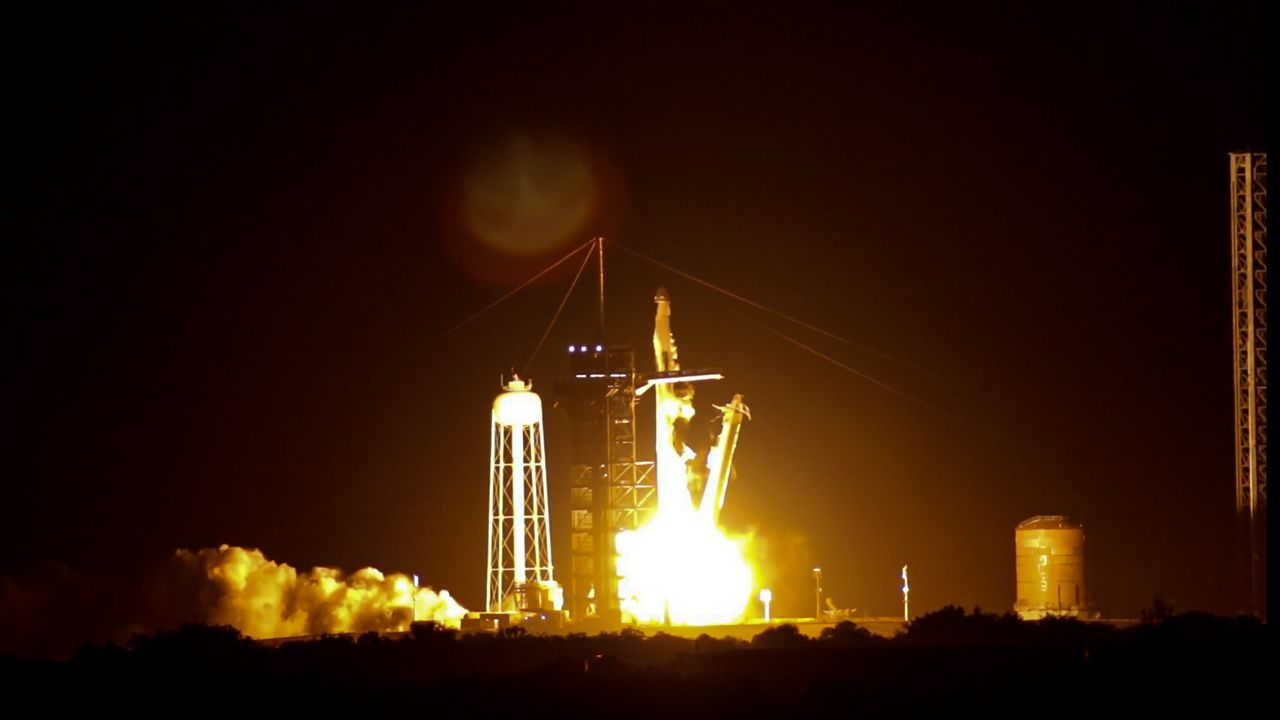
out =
column 518, row 406
column 1049, row 556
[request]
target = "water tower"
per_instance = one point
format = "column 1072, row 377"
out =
column 520, row 569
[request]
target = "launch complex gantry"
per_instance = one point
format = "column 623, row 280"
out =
column 612, row 491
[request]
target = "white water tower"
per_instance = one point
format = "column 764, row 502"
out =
column 520, row 569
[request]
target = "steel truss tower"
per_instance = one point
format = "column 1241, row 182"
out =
column 520, row 569
column 610, row 491
column 1249, row 293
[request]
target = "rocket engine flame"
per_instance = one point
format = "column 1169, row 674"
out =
column 681, row 567
column 266, row 599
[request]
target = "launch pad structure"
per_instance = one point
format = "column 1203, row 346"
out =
column 610, row 490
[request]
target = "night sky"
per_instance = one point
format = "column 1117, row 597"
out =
column 236, row 245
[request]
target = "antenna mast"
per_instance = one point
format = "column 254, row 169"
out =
column 600, row 251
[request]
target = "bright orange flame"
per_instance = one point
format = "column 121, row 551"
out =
column 681, row 567
column 683, row 570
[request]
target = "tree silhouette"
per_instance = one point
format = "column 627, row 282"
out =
column 846, row 634
column 780, row 636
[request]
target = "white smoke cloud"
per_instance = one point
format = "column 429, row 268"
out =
column 266, row 599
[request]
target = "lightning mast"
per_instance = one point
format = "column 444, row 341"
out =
column 610, row 490
column 1249, row 294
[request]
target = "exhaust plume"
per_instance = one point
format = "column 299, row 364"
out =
column 265, row 599
column 681, row 568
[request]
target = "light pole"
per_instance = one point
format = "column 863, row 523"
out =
column 817, row 592
column 413, row 603
column 906, row 596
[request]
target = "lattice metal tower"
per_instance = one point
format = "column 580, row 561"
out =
column 1249, row 293
column 610, row 490
column 520, row 569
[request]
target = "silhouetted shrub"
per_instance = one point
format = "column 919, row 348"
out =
column 432, row 632
column 847, row 634
column 780, row 636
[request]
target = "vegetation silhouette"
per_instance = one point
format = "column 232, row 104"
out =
column 945, row 661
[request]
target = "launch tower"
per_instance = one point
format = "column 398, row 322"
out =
column 610, row 490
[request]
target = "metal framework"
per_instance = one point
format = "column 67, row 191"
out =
column 519, row 533
column 610, row 491
column 1249, row 293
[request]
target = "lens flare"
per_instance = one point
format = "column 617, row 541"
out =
column 529, row 193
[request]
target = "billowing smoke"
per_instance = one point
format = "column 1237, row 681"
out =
column 51, row 611
column 266, row 599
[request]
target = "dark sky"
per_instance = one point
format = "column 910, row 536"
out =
column 235, row 241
